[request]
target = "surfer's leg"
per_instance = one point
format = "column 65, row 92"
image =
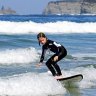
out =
column 62, row 54
column 51, row 67
column 57, row 68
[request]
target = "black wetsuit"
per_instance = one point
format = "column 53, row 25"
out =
column 59, row 51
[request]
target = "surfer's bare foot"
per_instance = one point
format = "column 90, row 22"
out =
column 58, row 77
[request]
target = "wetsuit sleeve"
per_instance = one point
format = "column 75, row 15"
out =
column 43, row 54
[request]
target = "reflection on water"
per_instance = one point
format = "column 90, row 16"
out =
column 72, row 89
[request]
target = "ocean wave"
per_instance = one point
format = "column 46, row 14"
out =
column 82, row 56
column 89, row 78
column 85, row 56
column 18, row 56
column 29, row 55
column 60, row 27
column 35, row 84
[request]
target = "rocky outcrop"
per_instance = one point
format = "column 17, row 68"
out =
column 7, row 11
column 69, row 7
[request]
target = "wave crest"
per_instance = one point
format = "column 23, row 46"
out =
column 59, row 27
column 18, row 56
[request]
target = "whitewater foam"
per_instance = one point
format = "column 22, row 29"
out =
column 43, row 84
column 89, row 78
column 29, row 55
column 83, row 56
column 30, row 84
column 18, row 56
column 60, row 27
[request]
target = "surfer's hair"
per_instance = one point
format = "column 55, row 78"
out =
column 41, row 34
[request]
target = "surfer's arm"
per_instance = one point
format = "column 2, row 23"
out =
column 42, row 57
column 43, row 54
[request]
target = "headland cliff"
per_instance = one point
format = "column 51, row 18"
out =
column 70, row 7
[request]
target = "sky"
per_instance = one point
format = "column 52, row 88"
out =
column 25, row 7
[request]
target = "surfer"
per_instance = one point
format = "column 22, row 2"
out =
column 58, row 49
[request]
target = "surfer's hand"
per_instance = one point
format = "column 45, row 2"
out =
column 55, row 58
column 38, row 65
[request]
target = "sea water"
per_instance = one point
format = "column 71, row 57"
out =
column 20, row 52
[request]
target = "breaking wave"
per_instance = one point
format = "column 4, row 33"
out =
column 18, row 56
column 59, row 27
column 35, row 84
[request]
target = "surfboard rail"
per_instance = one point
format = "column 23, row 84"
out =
column 74, row 78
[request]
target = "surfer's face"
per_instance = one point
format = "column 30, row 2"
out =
column 42, row 40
